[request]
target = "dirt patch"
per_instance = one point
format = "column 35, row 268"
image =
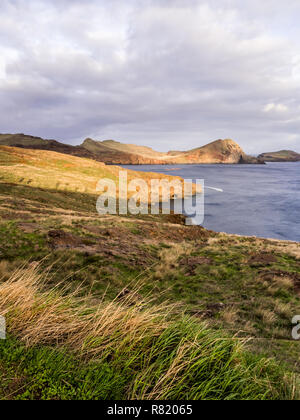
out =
column 61, row 239
column 111, row 248
column 143, row 231
column 191, row 263
column 173, row 233
column 261, row 260
column 129, row 253
column 178, row 219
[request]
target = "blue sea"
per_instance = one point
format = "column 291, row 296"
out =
column 257, row 200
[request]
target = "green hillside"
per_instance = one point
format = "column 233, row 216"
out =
column 21, row 140
column 140, row 307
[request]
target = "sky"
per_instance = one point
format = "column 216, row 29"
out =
column 170, row 74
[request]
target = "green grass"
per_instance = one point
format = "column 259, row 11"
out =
column 227, row 279
column 231, row 294
column 258, row 307
column 16, row 245
column 67, row 200
column 213, row 369
column 168, row 367
column 47, row 373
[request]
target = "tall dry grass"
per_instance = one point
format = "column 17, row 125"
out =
column 156, row 357
column 38, row 316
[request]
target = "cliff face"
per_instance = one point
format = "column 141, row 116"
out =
column 112, row 152
column 281, row 156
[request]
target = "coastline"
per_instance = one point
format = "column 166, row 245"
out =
column 236, row 286
column 260, row 200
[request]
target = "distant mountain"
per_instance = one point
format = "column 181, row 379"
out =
column 89, row 149
column 219, row 151
column 281, row 156
column 113, row 152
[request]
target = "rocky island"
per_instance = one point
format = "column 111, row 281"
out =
column 281, row 156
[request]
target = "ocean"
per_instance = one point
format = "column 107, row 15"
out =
column 257, row 200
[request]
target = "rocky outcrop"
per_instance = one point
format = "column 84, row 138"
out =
column 220, row 151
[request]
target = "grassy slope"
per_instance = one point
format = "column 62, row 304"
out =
column 133, row 148
column 60, row 172
column 121, row 349
column 20, row 139
column 243, row 286
column 112, row 151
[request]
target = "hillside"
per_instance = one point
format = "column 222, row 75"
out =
column 281, row 156
column 134, row 307
column 37, row 143
column 220, row 151
column 57, row 172
column 21, row 140
column 110, row 307
column 87, row 150
column 112, row 152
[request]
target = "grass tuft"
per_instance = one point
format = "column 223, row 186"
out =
column 63, row 347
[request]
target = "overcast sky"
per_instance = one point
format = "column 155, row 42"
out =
column 171, row 74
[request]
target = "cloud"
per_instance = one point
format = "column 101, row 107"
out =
column 170, row 74
column 275, row 107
